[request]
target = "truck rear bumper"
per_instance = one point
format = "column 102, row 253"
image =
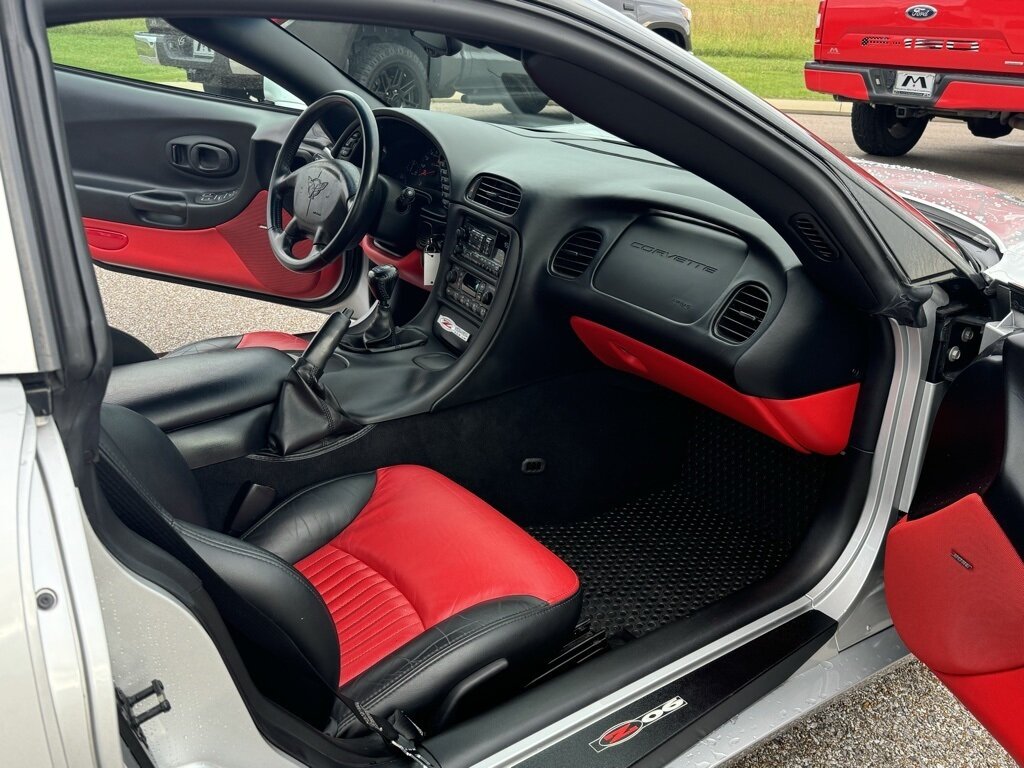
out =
column 953, row 92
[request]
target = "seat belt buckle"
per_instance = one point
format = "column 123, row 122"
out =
column 409, row 749
column 406, row 734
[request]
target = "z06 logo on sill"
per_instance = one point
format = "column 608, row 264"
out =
column 623, row 732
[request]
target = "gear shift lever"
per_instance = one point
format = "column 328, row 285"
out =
column 382, row 283
column 383, row 280
column 308, row 412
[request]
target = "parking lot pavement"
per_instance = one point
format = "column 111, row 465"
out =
column 947, row 147
column 166, row 315
column 904, row 719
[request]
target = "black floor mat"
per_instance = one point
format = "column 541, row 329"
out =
column 738, row 510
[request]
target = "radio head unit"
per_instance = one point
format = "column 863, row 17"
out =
column 481, row 245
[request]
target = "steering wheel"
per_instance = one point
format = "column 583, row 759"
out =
column 333, row 200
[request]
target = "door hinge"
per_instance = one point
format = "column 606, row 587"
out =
column 126, row 705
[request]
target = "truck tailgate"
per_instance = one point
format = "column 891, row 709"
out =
column 953, row 35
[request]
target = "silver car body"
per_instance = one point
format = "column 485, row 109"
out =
column 78, row 623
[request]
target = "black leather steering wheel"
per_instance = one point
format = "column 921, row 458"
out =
column 333, row 201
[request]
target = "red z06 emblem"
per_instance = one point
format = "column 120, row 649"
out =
column 623, row 732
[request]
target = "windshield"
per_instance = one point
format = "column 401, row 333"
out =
column 419, row 70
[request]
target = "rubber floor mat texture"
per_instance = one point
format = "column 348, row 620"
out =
column 741, row 505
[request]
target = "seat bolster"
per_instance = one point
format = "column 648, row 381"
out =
column 525, row 631
column 286, row 342
column 139, row 458
column 126, row 349
column 276, row 589
column 206, row 345
column 308, row 520
column 283, row 342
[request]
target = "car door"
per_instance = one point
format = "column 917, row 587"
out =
column 171, row 180
column 954, row 574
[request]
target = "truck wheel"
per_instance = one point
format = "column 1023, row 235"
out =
column 527, row 103
column 878, row 131
column 394, row 73
column 522, row 96
column 988, row 127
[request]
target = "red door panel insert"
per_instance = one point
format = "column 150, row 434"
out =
column 235, row 254
column 955, row 588
column 997, row 700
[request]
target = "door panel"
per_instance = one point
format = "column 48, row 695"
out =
column 954, row 574
column 233, row 254
column 169, row 184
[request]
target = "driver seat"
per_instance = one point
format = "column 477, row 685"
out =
column 128, row 349
column 397, row 588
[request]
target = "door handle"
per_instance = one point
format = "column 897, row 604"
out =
column 202, row 155
column 210, row 159
column 161, row 208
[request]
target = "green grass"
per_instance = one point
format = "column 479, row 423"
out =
column 769, row 78
column 761, row 44
column 108, row 47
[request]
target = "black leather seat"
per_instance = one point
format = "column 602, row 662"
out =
column 395, row 585
column 127, row 349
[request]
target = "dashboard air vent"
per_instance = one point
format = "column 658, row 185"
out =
column 815, row 237
column 743, row 313
column 496, row 193
column 574, row 255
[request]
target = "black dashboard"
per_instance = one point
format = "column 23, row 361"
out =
column 537, row 227
column 410, row 157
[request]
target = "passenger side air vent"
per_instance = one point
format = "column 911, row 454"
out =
column 576, row 252
column 500, row 195
column 815, row 237
column 743, row 313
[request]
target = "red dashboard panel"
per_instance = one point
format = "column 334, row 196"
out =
column 235, row 254
column 817, row 423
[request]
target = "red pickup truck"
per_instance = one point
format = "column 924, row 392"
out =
column 903, row 63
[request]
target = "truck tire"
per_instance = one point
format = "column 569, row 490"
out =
column 394, row 73
column 878, row 131
column 988, row 127
column 527, row 103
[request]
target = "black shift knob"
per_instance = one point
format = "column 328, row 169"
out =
column 382, row 283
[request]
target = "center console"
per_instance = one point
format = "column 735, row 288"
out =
column 476, row 262
column 221, row 405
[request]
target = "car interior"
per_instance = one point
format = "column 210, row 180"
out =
column 601, row 413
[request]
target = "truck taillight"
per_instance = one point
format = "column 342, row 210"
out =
column 817, row 22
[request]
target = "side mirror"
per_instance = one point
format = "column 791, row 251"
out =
column 437, row 45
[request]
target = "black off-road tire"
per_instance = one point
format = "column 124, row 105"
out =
column 522, row 96
column 878, row 131
column 528, row 103
column 397, row 75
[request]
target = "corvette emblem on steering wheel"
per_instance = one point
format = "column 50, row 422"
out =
column 314, row 188
column 328, row 198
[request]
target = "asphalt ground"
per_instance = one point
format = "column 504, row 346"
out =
column 902, row 719
column 946, row 147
